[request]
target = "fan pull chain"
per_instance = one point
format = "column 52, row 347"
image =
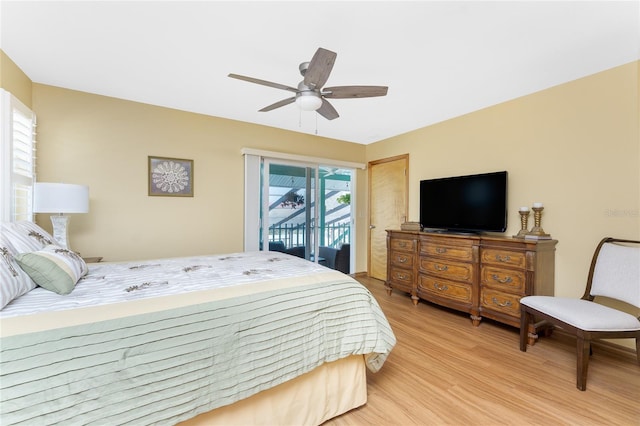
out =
column 300, row 120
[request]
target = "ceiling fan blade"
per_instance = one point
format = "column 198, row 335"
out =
column 327, row 110
column 264, row 82
column 278, row 104
column 319, row 68
column 341, row 92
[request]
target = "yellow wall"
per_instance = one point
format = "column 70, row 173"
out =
column 104, row 142
column 13, row 80
column 574, row 147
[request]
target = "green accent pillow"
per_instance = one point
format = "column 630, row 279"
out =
column 53, row 268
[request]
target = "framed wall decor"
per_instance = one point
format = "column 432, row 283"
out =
column 170, row 177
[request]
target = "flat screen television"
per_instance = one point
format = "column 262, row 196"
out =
column 471, row 203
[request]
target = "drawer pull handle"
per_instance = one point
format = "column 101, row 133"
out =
column 440, row 287
column 505, row 280
column 402, row 276
column 503, row 258
column 441, row 268
column 506, row 304
column 402, row 259
column 441, row 250
column 402, row 244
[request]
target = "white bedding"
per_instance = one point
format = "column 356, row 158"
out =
column 161, row 341
column 145, row 279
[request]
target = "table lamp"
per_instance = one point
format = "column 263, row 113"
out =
column 60, row 198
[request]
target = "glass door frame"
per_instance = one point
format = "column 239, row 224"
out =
column 266, row 163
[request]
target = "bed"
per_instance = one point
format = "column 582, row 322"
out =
column 242, row 338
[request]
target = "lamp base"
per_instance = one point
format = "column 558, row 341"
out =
column 60, row 230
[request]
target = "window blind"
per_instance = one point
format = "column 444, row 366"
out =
column 18, row 142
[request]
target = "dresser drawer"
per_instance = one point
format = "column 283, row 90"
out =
column 510, row 280
column 402, row 259
column 514, row 259
column 401, row 278
column 498, row 301
column 442, row 288
column 403, row 244
column 446, row 269
column 464, row 254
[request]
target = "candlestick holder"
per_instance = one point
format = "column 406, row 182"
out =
column 537, row 232
column 524, row 218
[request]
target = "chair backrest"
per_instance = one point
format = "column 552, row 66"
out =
column 343, row 258
column 277, row 246
column 298, row 251
column 328, row 256
column 615, row 271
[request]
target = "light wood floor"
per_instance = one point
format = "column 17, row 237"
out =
column 444, row 371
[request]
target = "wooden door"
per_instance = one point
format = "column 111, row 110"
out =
column 388, row 207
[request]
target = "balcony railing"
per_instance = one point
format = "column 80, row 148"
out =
column 292, row 235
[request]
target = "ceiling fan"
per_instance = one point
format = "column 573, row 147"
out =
column 310, row 94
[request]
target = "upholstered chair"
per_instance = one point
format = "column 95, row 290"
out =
column 614, row 274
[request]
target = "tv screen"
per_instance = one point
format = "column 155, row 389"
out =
column 472, row 203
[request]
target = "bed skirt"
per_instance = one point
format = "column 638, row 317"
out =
column 311, row 399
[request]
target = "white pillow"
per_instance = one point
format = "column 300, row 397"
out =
column 26, row 236
column 14, row 282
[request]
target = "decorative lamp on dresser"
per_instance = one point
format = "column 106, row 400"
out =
column 482, row 275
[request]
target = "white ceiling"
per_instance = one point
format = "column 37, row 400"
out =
column 439, row 59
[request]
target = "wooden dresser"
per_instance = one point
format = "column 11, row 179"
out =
column 484, row 276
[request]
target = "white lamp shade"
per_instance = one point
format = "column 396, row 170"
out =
column 308, row 101
column 60, row 198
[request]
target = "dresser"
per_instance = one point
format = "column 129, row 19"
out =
column 482, row 275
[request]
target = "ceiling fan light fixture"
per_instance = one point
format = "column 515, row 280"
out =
column 310, row 94
column 308, row 101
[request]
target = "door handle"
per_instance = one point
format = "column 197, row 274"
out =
column 371, row 226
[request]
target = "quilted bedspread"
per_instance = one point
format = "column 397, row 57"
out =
column 159, row 342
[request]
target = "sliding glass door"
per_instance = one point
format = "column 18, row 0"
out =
column 300, row 206
column 289, row 210
column 306, row 209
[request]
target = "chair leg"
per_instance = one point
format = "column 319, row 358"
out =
column 638, row 349
column 525, row 318
column 583, row 348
